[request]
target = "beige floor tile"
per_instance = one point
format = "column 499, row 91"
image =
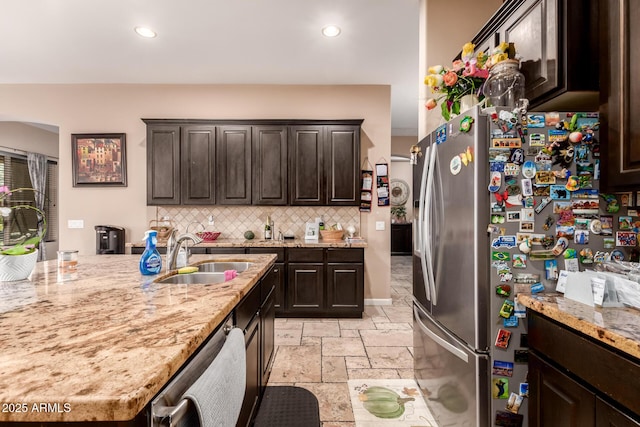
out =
column 394, row 326
column 334, row 369
column 334, row 400
column 389, row 357
column 288, row 324
column 355, row 374
column 387, row 338
column 311, row 341
column 398, row 314
column 321, row 329
column 357, row 324
column 288, row 336
column 297, row 363
column 350, row 333
column 342, row 347
column 357, row 362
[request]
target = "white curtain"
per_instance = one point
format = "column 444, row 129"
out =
column 38, row 173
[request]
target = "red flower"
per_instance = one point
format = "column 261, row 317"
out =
column 450, row 78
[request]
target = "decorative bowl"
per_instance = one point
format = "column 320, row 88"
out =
column 17, row 267
column 331, row 235
column 208, row 236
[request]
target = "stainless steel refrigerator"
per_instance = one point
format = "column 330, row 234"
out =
column 466, row 367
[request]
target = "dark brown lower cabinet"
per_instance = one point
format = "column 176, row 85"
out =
column 344, row 293
column 253, row 384
column 555, row 399
column 305, row 287
column 576, row 381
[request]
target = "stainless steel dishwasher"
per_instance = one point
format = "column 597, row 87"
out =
column 168, row 408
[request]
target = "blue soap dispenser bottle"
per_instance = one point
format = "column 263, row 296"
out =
column 151, row 261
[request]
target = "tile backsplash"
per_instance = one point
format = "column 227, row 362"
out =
column 233, row 221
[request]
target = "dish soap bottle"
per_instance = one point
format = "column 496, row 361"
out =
column 151, row 261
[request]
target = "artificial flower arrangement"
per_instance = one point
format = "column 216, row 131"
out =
column 28, row 242
column 466, row 77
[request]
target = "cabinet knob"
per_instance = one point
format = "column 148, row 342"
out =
column 275, row 270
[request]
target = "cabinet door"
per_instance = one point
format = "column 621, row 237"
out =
column 345, row 288
column 557, row 400
column 252, row 391
column 267, row 318
column 306, row 165
column 279, row 291
column 342, row 165
column 233, row 165
column 401, row 239
column 305, row 287
column 620, row 94
column 163, row 165
column 269, row 165
column 608, row 416
column 550, row 37
column 197, row 155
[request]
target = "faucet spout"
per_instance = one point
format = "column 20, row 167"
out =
column 173, row 246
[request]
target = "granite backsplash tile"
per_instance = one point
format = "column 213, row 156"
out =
column 233, row 221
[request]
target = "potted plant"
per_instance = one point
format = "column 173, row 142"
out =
column 18, row 259
column 399, row 214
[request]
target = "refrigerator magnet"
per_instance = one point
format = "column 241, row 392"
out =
column 514, row 402
column 524, row 389
column 507, row 309
column 551, row 269
column 511, row 322
column 455, row 166
column 502, row 368
column 502, row 339
column 503, row 290
column 521, row 356
column 508, row 419
column 529, row 169
column 519, row 260
column 495, row 181
column 500, row 389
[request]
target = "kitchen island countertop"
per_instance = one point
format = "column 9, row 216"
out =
column 616, row 327
column 101, row 345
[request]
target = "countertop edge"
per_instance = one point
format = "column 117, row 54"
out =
column 560, row 311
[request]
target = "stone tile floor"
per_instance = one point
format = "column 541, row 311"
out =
column 321, row 355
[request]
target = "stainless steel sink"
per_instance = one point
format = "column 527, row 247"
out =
column 192, row 278
column 222, row 266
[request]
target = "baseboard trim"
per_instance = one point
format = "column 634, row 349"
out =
column 378, row 301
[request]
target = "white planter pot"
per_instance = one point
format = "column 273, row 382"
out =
column 468, row 101
column 17, row 267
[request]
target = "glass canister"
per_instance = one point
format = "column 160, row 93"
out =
column 505, row 85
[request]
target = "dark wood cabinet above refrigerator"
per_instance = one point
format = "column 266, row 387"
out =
column 557, row 41
column 253, row 162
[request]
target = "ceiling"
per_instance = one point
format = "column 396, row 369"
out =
column 217, row 42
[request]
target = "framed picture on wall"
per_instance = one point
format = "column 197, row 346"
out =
column 99, row 159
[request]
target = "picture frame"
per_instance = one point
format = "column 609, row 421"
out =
column 99, row 159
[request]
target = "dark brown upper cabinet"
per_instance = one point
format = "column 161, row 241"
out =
column 259, row 162
column 197, row 161
column 163, row 165
column 620, row 95
column 269, row 165
column 233, row 166
column 342, row 165
column 324, row 165
column 557, row 41
column 306, row 158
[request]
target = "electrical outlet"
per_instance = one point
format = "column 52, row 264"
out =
column 75, row 223
column 211, row 221
column 380, row 225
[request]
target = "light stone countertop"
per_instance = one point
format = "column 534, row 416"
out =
column 243, row 243
column 617, row 327
column 107, row 342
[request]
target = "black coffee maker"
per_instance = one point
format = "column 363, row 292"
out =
column 109, row 239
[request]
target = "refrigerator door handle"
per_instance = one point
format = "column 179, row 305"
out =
column 437, row 221
column 427, row 244
column 422, row 213
column 440, row 341
column 417, row 241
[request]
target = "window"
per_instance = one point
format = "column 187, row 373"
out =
column 14, row 173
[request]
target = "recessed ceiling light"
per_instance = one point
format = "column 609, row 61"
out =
column 145, row 32
column 331, row 31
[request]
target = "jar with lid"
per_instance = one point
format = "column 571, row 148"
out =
column 505, row 85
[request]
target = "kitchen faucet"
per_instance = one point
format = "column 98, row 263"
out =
column 173, row 246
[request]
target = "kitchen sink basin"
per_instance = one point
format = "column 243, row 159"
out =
column 191, row 278
column 222, row 266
